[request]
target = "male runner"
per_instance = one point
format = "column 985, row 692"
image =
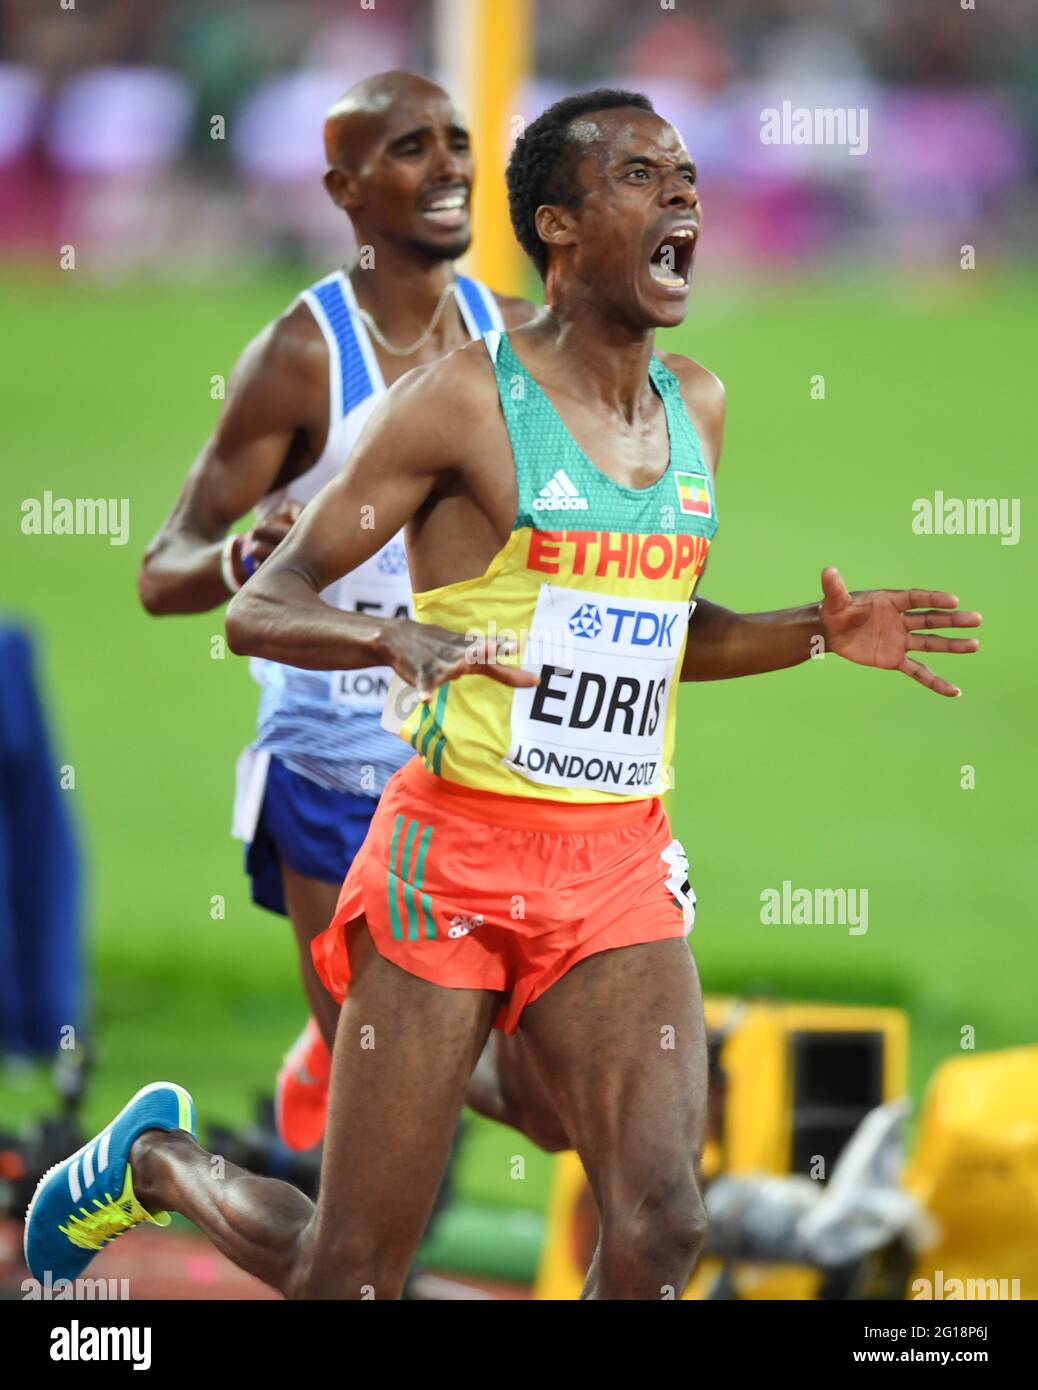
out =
column 556, row 480
column 401, row 167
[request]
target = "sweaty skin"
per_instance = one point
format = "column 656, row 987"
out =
column 436, row 456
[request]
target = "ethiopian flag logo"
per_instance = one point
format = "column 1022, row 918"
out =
column 694, row 494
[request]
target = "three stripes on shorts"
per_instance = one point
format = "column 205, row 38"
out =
column 410, row 910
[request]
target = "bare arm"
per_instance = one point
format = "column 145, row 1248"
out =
column 415, row 437
column 278, row 397
column 723, row 644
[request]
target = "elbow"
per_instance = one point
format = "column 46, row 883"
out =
column 151, row 591
column 240, row 625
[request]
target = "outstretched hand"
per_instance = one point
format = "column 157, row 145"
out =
column 881, row 627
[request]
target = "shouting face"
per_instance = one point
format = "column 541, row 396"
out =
column 630, row 238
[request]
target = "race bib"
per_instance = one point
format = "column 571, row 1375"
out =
column 401, row 702
column 365, row 689
column 607, row 664
column 381, row 587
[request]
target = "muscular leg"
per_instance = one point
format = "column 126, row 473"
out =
column 404, row 1052
column 621, row 1043
column 311, row 906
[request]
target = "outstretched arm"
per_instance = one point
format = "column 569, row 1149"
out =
column 876, row 627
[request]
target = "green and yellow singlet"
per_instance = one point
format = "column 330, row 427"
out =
column 595, row 584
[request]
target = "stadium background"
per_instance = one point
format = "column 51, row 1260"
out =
column 813, row 262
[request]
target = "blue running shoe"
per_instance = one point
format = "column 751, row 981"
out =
column 86, row 1201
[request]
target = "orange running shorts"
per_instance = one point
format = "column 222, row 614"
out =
column 475, row 890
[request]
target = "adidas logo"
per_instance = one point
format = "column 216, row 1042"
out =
column 560, row 496
column 461, row 926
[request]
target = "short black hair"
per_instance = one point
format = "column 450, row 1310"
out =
column 544, row 158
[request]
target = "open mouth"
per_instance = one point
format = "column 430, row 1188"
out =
column 670, row 263
column 448, row 208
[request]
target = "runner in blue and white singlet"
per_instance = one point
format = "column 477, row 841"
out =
column 400, row 166
column 326, row 726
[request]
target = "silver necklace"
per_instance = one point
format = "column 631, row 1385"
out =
column 376, row 333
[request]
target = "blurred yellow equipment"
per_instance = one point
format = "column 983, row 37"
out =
column 976, row 1172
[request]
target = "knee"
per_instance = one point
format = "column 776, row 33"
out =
column 672, row 1218
column 661, row 1228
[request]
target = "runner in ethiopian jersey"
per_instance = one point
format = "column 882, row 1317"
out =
column 557, row 482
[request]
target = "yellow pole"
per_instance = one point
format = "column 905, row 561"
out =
column 484, row 54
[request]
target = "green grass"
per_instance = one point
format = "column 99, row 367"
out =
column 830, row 776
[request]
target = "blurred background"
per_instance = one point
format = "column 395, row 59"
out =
column 111, row 111
column 160, row 178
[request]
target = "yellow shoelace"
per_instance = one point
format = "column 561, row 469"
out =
column 93, row 1229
